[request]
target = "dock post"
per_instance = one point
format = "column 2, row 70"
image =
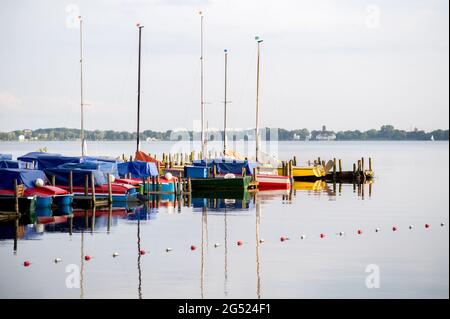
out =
column 157, row 183
column 243, row 171
column 354, row 168
column 214, row 171
column 189, row 185
column 71, row 182
column 362, row 164
column 319, row 161
column 110, row 197
column 359, row 166
column 295, row 160
column 254, row 174
column 16, row 197
column 93, row 188
column 370, row 164
column 340, row 166
column 291, row 172
column 86, row 185
column 334, row 168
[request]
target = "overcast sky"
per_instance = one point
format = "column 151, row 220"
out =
column 348, row 64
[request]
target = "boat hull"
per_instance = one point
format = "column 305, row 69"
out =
column 26, row 204
column 307, row 172
column 269, row 182
column 221, row 184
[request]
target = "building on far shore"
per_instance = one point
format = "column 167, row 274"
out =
column 324, row 135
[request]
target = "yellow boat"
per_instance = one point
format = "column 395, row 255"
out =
column 306, row 171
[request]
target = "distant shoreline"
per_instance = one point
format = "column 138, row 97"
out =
column 385, row 133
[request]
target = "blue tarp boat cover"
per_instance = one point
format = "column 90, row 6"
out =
column 11, row 164
column 105, row 167
column 78, row 176
column 225, row 166
column 33, row 156
column 49, row 160
column 5, row 157
column 138, row 169
column 26, row 177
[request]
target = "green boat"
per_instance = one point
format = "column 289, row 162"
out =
column 221, row 184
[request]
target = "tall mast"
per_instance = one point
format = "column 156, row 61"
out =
column 225, row 107
column 258, row 40
column 202, row 102
column 83, row 151
column 139, row 91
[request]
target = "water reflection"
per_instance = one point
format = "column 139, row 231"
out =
column 230, row 204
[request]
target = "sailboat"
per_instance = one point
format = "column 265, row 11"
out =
column 267, row 179
column 432, row 138
column 201, row 181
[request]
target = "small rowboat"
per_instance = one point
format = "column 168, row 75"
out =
column 306, row 172
column 270, row 181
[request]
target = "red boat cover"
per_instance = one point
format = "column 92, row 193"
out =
column 141, row 156
column 45, row 191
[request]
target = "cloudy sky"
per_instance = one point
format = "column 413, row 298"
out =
column 351, row 64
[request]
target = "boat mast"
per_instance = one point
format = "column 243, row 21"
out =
column 83, row 151
column 258, row 40
column 202, row 103
column 139, row 90
column 225, row 107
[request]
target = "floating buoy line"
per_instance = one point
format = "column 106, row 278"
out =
column 283, row 238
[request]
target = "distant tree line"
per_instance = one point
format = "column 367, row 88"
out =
column 386, row 132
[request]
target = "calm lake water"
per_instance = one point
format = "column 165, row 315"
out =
column 411, row 188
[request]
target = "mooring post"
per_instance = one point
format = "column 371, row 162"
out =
column 110, row 197
column 86, row 185
column 254, row 174
column 340, row 166
column 334, row 167
column 214, row 171
column 157, row 183
column 319, row 161
column 362, row 164
column 93, row 188
column 354, row 168
column 295, row 160
column 359, row 166
column 370, row 164
column 243, row 171
column 291, row 172
column 16, row 197
column 189, row 185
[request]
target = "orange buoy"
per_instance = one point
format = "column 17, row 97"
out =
column 26, row 263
